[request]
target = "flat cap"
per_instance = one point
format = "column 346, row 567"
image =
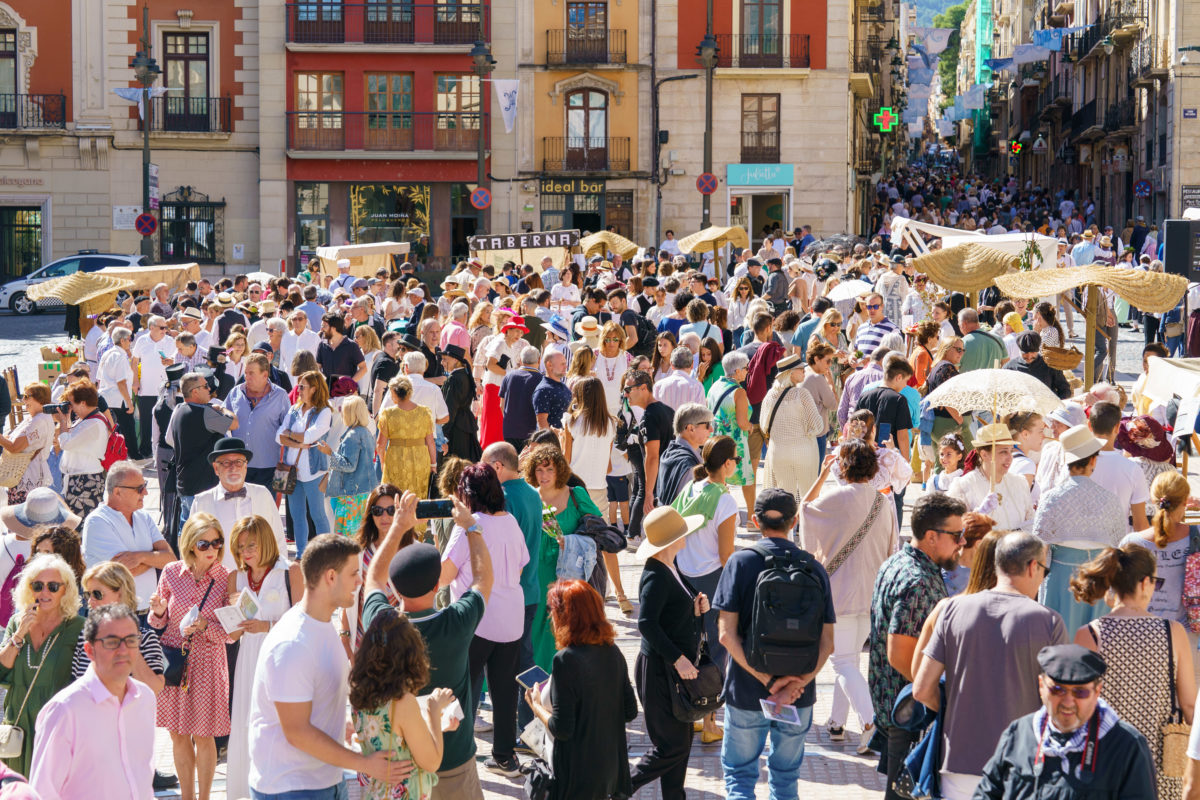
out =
column 1071, row 664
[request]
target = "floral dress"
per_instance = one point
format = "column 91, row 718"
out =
column 375, row 733
column 725, row 424
column 406, row 460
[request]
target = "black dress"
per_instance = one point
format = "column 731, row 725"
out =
column 591, row 700
column 462, row 429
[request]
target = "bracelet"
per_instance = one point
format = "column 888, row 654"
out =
column 476, row 529
column 344, row 633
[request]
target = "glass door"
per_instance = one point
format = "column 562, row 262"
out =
column 587, row 130
column 8, row 78
column 587, row 33
column 762, row 29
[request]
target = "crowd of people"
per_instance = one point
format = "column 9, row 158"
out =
column 387, row 504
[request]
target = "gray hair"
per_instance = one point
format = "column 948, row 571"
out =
column 121, row 334
column 362, row 302
column 968, row 316
column 734, row 361
column 154, row 319
column 681, row 358
column 276, row 324
column 189, row 382
column 459, row 311
column 529, row 357
column 1015, row 550
column 893, row 341
column 116, row 473
column 691, row 414
column 415, row 363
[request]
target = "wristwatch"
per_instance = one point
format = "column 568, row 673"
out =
column 475, row 528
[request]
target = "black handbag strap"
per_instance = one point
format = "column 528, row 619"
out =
column 775, row 410
column 1176, row 711
column 203, row 600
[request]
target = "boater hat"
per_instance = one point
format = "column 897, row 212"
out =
column 41, row 507
column 663, row 527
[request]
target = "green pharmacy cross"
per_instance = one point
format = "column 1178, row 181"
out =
column 886, row 119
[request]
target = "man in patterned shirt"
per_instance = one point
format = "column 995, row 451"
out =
column 908, row 586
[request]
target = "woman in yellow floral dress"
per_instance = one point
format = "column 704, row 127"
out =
column 405, row 442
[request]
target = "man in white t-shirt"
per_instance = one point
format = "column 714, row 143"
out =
column 152, row 353
column 1114, row 471
column 298, row 703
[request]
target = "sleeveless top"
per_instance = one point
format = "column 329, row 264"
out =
column 375, row 733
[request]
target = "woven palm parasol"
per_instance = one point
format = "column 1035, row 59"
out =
column 1155, row 292
column 605, row 242
column 713, row 238
column 966, row 267
column 78, row 288
column 1000, row 391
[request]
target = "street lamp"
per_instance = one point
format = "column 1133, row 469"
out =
column 706, row 51
column 481, row 54
column 146, row 71
column 1107, row 44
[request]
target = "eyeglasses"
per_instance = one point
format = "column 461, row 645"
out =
column 205, row 544
column 53, row 586
column 873, row 306
column 96, row 594
column 1045, row 568
column 959, row 534
column 380, row 511
column 230, row 463
column 959, row 349
column 140, row 489
column 113, row 642
column 1078, row 692
column 614, row 340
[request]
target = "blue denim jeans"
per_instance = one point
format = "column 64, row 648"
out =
column 185, row 508
column 336, row 792
column 745, row 738
column 821, row 442
column 306, row 496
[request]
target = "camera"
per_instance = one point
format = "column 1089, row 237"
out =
column 57, row 408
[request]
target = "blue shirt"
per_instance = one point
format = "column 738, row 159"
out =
column 551, row 398
column 314, row 311
column 257, row 426
column 671, row 325
column 804, row 332
column 516, row 393
column 525, row 504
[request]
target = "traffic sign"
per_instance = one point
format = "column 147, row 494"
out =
column 886, row 119
column 145, row 224
column 481, row 198
column 706, row 183
column 1143, row 189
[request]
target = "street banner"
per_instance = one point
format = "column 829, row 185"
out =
column 945, row 128
column 916, row 129
column 920, row 92
column 1029, row 53
column 998, row 64
column 134, row 95
column 506, row 94
column 522, row 241
column 935, row 40
column 920, row 77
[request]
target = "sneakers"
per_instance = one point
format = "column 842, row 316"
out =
column 509, row 767
column 837, row 733
column 864, row 743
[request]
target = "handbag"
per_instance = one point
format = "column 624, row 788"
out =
column 608, row 539
column 538, row 779
column 1173, row 330
column 177, row 657
column 12, row 738
column 692, row 700
column 1174, row 733
column 849, row 547
column 283, row 481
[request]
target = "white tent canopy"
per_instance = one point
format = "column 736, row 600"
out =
column 365, row 259
column 907, row 230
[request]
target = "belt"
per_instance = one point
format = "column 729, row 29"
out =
column 407, row 442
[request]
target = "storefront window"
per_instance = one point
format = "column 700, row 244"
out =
column 312, row 218
column 389, row 212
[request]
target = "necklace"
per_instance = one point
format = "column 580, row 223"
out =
column 610, row 373
column 255, row 586
column 45, row 649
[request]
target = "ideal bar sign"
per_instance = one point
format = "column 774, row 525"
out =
column 523, row 241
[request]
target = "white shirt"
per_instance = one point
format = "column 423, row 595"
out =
column 496, row 348
column 1015, row 511
column 309, row 340
column 113, row 369
column 1123, row 477
column 258, row 501
column 83, row 447
column 106, row 533
column 671, row 246
column 257, row 333
column 319, row 427
column 91, row 343
column 565, row 294
column 151, row 353
column 700, row 556
column 587, row 453
column 301, row 661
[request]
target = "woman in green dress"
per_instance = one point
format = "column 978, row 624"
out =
column 41, row 634
column 546, row 469
column 709, row 369
column 730, row 405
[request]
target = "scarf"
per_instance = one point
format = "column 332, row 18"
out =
column 1042, row 728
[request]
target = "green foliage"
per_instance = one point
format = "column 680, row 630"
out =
column 929, row 10
column 952, row 17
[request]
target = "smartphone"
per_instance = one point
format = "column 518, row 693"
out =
column 434, row 509
column 885, row 433
column 533, row 676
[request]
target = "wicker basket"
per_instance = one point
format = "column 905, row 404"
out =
column 1060, row 358
column 13, row 466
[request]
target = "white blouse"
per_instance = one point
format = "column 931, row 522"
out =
column 83, row 447
column 318, row 428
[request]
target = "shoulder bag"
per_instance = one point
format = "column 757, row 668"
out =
column 177, row 657
column 12, row 737
column 538, row 779
column 775, row 410
column 692, row 700
column 608, row 539
column 283, row 481
column 849, row 547
column 1175, row 732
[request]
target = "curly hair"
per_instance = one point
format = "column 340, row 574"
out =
column 452, row 467
column 577, row 615
column 64, row 542
column 928, row 330
column 391, row 661
column 545, row 454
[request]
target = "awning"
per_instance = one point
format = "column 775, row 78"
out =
column 966, row 268
column 1155, row 292
column 365, row 259
column 80, row 288
column 175, row 276
column 713, row 238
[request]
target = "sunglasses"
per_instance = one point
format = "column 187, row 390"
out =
column 141, row 489
column 380, row 511
column 205, row 544
column 96, row 594
column 1158, row 583
column 959, row 535
column 874, row 306
column 1078, row 692
column 53, row 586
column 113, row 642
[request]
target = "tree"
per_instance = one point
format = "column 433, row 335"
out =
column 952, row 17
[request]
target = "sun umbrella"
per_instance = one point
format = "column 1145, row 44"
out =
column 260, row 277
column 1000, row 391
column 604, row 242
column 80, row 287
column 848, row 290
column 714, row 238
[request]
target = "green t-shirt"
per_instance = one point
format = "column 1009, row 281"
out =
column 525, row 504
column 448, row 634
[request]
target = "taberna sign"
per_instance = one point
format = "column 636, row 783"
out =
column 523, row 241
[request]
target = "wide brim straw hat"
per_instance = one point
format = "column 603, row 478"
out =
column 664, row 526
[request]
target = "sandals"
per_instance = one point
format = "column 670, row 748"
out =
column 625, row 606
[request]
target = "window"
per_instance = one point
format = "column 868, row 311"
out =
column 389, row 111
column 386, row 212
column 8, row 78
column 20, row 240
column 762, row 29
column 192, row 228
column 185, row 106
column 587, row 32
column 318, row 121
column 760, row 129
column 312, row 218
column 587, row 129
column 458, row 112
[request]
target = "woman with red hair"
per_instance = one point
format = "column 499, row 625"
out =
column 590, row 759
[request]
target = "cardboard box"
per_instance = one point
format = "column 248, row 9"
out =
column 49, row 370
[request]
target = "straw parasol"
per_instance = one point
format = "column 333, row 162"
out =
column 81, row 288
column 1155, row 292
column 967, row 267
column 604, row 242
column 714, row 238
column 1000, row 391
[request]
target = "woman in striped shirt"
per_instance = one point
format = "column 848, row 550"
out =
column 110, row 582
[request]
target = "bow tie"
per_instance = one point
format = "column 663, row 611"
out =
column 239, row 493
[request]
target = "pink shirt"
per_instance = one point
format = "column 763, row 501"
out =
column 504, row 618
column 456, row 333
column 89, row 745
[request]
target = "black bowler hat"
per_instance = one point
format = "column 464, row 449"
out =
column 1071, row 664
column 227, row 445
column 454, row 351
column 175, row 372
column 215, row 352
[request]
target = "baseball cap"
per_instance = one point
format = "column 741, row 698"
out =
column 415, row 570
column 775, row 506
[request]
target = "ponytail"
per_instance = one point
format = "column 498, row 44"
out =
column 1169, row 492
column 1118, row 569
column 715, row 453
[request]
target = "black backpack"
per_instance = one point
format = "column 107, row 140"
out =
column 647, row 334
column 784, row 632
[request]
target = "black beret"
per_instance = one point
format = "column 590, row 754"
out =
column 1071, row 664
column 415, row 570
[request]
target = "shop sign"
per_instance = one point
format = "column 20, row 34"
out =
column 571, row 186
column 22, row 180
column 523, row 241
column 1189, row 196
column 760, row 174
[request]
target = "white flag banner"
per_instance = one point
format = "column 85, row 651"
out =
column 916, row 129
column 945, row 128
column 134, row 95
column 506, row 93
column 919, row 92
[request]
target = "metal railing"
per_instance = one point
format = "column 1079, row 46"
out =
column 33, row 111
column 403, row 131
column 1145, row 59
column 1083, row 119
column 762, row 50
column 585, row 46
column 191, row 114
column 1122, row 114
column 760, row 147
column 866, row 156
column 385, row 22
column 585, row 153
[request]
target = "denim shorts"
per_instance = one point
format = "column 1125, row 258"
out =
column 576, row 558
column 618, row 488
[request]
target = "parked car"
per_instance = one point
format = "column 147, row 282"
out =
column 13, row 294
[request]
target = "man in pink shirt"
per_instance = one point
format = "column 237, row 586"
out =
column 456, row 331
column 95, row 738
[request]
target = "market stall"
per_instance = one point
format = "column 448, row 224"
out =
column 527, row 247
column 365, row 259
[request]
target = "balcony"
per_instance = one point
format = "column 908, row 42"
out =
column 585, row 154
column 760, row 147
column 174, row 114
column 1147, row 62
column 762, row 50
column 448, row 132
column 33, row 111
column 1121, row 117
column 862, row 77
column 585, row 46
column 866, row 157
column 386, row 22
column 1084, row 122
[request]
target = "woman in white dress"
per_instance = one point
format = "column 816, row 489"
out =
column 35, row 434
column 565, row 295
column 990, row 488
column 368, row 342
column 791, row 419
column 274, row 586
column 611, row 364
column 299, row 337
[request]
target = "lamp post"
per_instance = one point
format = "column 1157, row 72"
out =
column 481, row 54
column 146, row 71
column 707, row 53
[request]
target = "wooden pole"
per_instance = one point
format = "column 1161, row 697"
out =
column 1089, row 338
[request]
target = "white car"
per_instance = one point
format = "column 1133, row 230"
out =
column 13, row 294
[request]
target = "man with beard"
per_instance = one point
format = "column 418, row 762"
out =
column 908, row 586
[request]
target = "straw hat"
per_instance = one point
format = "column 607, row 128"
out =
column 1089, row 235
column 1079, row 443
column 41, row 507
column 663, row 527
column 587, row 327
column 995, row 434
column 1105, row 241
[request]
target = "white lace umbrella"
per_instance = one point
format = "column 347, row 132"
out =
column 1000, row 391
column 848, row 290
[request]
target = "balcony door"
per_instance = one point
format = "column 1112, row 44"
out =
column 587, row 129
column 458, row 115
column 186, row 104
column 762, row 34
column 319, row 21
column 8, row 78
column 760, row 129
column 388, row 22
column 389, row 111
column 587, row 32
column 319, row 104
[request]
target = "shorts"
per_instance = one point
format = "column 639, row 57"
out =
column 618, row 488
